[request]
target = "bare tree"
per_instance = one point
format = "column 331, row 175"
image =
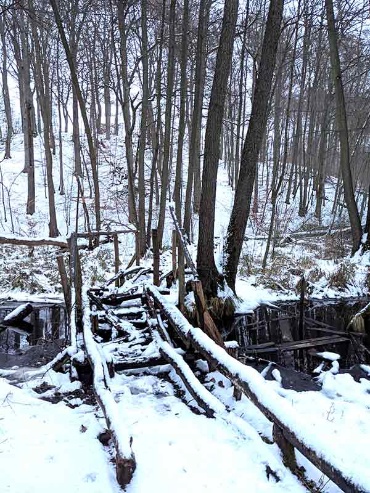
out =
column 253, row 141
column 206, row 266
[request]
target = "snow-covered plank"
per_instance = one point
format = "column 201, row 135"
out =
column 19, row 313
column 125, row 459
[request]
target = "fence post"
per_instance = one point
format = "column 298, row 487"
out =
column 116, row 257
column 174, row 256
column 137, row 247
column 181, row 277
column 155, row 257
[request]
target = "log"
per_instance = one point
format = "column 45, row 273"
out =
column 18, row 314
column 138, row 363
column 125, row 458
column 33, row 242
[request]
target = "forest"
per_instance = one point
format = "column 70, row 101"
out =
column 127, row 106
column 184, row 250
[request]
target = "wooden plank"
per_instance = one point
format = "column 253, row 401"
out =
column 292, row 346
column 33, row 242
column 310, row 343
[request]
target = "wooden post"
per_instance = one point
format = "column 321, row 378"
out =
column 234, row 352
column 286, row 448
column 301, row 308
column 116, row 257
column 137, row 247
column 181, row 277
column 155, row 257
column 76, row 279
column 174, row 256
column 94, row 323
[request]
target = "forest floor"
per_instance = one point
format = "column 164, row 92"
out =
column 48, row 446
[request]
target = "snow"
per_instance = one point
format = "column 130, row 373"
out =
column 328, row 355
column 14, row 313
column 42, row 447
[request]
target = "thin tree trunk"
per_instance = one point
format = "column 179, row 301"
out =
column 168, row 119
column 194, row 177
column 82, row 105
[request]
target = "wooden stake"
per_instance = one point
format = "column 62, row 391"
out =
column 155, row 257
column 137, row 247
column 174, row 259
column 116, row 258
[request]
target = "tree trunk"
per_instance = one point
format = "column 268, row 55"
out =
column 196, row 123
column 168, row 119
column 253, row 141
column 7, row 107
column 349, row 197
column 206, row 266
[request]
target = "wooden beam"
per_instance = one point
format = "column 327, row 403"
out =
column 31, row 242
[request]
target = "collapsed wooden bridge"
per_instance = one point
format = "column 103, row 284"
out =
column 135, row 326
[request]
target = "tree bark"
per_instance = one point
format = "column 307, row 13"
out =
column 206, row 266
column 342, row 126
column 253, row 141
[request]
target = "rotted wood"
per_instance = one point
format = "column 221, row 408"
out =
column 206, row 322
column 109, row 314
column 345, row 483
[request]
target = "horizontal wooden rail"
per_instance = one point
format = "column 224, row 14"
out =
column 32, row 242
column 288, row 426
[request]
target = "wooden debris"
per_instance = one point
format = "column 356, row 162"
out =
column 18, row 314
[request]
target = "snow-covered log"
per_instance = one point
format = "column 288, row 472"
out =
column 192, row 384
column 30, row 242
column 125, row 458
column 18, row 314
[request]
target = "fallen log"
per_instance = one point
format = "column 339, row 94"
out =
column 18, row 314
column 193, row 386
column 33, row 242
